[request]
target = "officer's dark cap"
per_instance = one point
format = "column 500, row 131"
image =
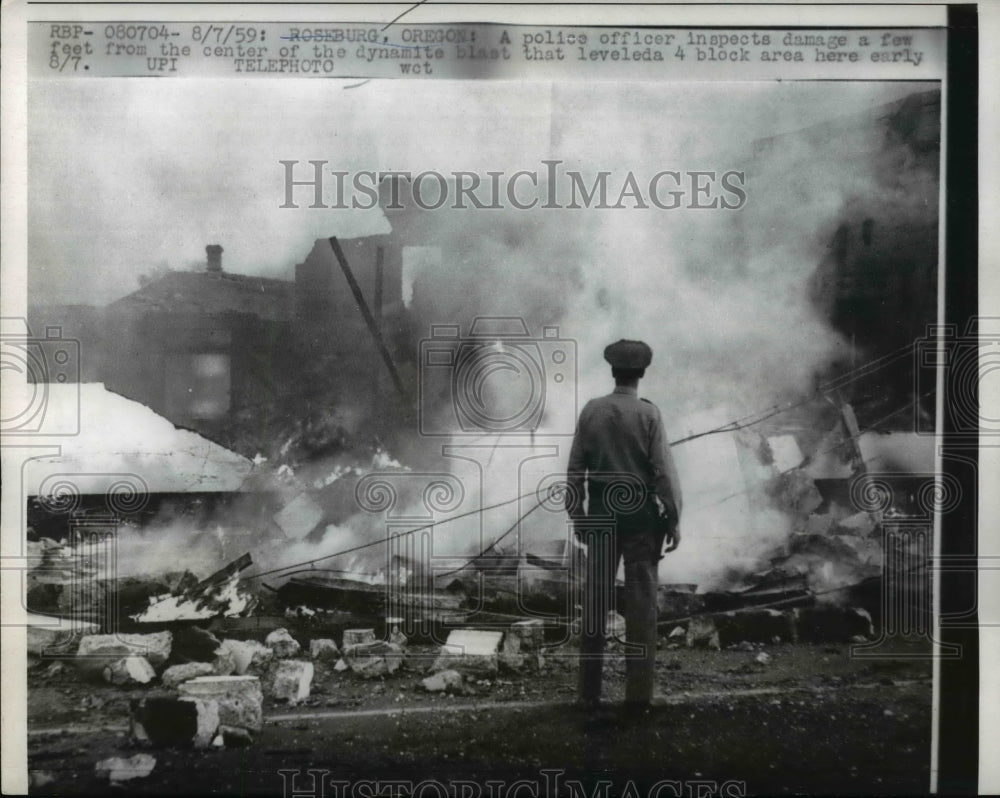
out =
column 630, row 355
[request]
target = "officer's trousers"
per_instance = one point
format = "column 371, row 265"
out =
column 607, row 546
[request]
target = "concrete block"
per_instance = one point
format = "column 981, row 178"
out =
column 371, row 660
column 522, row 644
column 206, row 720
column 117, row 769
column 702, row 633
column 129, row 670
column 239, row 698
column 246, row 654
column 53, row 636
column 170, row 722
column 356, row 637
column 282, row 643
column 530, row 634
column 97, row 651
column 292, row 680
column 443, row 682
column 473, row 650
column 324, row 649
column 176, row 674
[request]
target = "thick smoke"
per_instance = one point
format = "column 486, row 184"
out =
column 720, row 295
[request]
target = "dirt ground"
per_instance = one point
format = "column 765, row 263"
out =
column 811, row 720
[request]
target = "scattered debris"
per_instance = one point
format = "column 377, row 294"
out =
column 522, row 644
column 395, row 634
column 702, row 633
column 38, row 779
column 54, row 669
column 324, row 649
column 171, row 722
column 370, row 660
column 473, row 650
column 118, row 770
column 224, row 664
column 678, row 601
column 129, row 670
column 176, row 674
column 282, row 643
column 207, row 719
column 228, row 599
column 366, row 598
column 861, row 524
column 49, row 636
column 97, row 651
column 357, row 637
column 246, row 654
column 292, row 680
column 615, row 627
column 442, row 682
column 193, row 644
column 239, row 698
column 754, row 626
column 827, row 623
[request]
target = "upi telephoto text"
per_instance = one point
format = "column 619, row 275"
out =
column 312, row 184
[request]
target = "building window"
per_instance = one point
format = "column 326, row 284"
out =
column 198, row 385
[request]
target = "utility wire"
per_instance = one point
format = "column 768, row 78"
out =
column 740, row 423
column 827, row 451
column 402, row 534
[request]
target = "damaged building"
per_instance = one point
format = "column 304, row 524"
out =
column 242, row 594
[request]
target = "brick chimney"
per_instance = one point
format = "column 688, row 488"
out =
column 214, row 252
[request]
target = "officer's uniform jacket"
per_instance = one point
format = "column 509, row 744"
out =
column 621, row 434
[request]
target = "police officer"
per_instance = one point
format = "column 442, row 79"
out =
column 621, row 455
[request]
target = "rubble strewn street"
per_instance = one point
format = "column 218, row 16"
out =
column 822, row 713
column 288, row 671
